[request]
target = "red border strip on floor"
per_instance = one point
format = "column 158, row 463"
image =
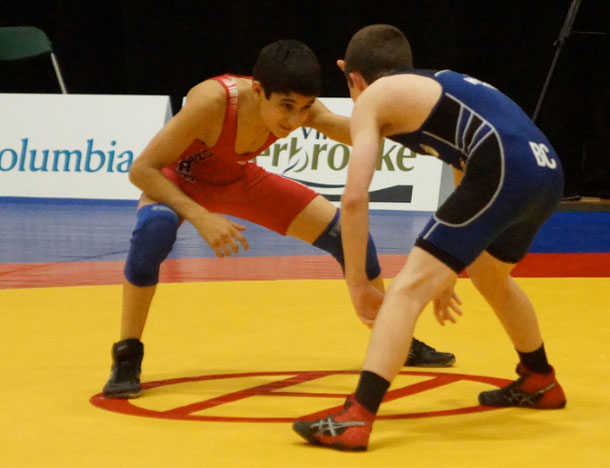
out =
column 36, row 275
column 535, row 265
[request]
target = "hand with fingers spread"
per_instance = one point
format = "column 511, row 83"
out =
column 221, row 234
column 446, row 305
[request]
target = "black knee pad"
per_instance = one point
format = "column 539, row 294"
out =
column 330, row 241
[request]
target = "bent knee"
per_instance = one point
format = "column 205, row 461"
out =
column 409, row 295
column 490, row 282
column 151, row 242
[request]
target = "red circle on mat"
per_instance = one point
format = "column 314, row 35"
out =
column 281, row 387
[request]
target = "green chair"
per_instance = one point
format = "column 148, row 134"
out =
column 23, row 42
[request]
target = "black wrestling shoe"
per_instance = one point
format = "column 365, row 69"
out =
column 422, row 355
column 124, row 381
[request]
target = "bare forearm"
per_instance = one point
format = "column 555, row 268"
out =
column 330, row 124
column 336, row 127
column 155, row 185
column 354, row 232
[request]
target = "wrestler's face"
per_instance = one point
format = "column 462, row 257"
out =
column 283, row 113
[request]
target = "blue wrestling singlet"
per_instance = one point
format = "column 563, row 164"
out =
column 512, row 176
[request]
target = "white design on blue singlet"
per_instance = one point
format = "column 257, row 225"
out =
column 484, row 131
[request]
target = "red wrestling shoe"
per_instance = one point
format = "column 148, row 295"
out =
column 348, row 430
column 530, row 390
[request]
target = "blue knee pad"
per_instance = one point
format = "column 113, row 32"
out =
column 330, row 241
column 151, row 241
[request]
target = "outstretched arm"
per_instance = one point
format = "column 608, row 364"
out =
column 334, row 126
column 355, row 211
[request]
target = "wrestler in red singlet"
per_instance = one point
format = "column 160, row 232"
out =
column 223, row 181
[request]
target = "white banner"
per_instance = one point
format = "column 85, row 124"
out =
column 75, row 146
column 404, row 180
column 82, row 146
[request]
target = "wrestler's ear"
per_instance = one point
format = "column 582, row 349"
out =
column 257, row 89
column 358, row 81
column 341, row 65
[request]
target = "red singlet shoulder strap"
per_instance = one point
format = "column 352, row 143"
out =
column 228, row 134
column 229, row 125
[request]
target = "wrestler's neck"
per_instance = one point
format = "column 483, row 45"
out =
column 249, row 107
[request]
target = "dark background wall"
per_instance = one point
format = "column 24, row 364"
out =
column 163, row 47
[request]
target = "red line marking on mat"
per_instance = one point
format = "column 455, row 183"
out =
column 182, row 270
column 274, row 388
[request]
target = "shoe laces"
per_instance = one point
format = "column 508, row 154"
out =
column 329, row 426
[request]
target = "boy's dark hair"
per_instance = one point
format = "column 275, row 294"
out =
column 288, row 66
column 376, row 50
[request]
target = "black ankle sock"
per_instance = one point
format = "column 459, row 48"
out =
column 371, row 390
column 536, row 361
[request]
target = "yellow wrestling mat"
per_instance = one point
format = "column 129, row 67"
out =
column 228, row 359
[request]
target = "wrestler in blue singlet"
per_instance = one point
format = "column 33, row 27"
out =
column 512, row 181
